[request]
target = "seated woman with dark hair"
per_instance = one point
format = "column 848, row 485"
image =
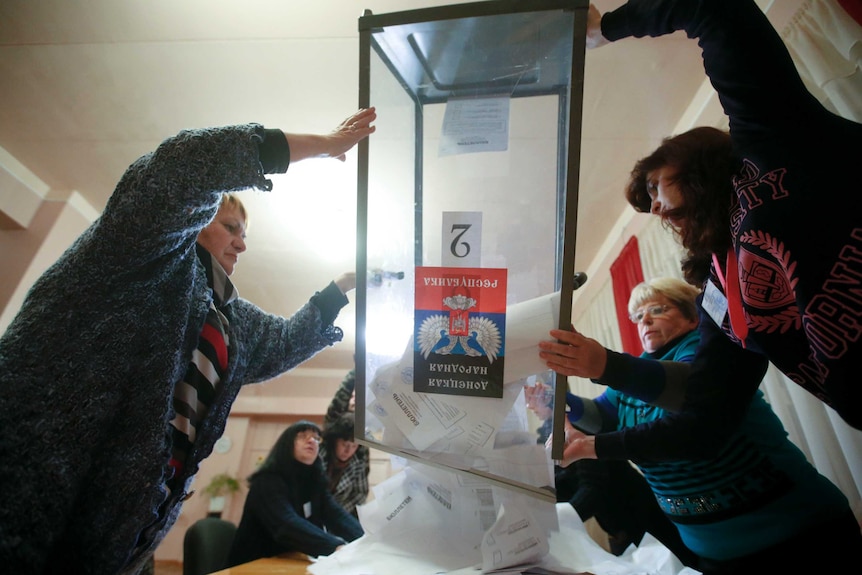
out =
column 289, row 507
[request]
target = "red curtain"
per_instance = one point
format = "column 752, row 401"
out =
column 626, row 273
column 853, row 7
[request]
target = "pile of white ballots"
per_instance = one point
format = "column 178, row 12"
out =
column 428, row 521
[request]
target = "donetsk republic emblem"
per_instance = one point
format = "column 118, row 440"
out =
column 459, row 334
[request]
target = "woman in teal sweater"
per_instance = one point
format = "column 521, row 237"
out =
column 759, row 502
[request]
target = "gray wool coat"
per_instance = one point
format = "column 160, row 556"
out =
column 88, row 366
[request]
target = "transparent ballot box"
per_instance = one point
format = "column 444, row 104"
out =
column 466, row 226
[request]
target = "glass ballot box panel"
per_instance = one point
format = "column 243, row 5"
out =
column 466, row 226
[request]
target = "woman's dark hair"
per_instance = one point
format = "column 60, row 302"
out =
column 280, row 459
column 341, row 428
column 705, row 165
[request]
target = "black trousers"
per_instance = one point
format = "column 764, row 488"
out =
column 831, row 547
column 622, row 502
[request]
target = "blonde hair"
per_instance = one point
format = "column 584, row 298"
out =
column 232, row 201
column 680, row 293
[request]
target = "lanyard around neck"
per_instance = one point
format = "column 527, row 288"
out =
column 734, row 295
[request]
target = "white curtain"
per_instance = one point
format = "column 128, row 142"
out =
column 826, row 44
column 599, row 321
column 661, row 253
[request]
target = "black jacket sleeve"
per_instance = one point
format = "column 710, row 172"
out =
column 743, row 56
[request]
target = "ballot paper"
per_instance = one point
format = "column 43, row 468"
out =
column 528, row 323
column 460, row 509
column 463, row 507
column 422, row 418
column 515, row 539
column 426, row 521
column 524, row 462
column 434, row 422
column 460, row 424
column 462, row 433
column 473, row 125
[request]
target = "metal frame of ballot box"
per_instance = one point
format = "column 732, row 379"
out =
column 467, row 195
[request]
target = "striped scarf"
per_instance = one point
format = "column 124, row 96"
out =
column 194, row 395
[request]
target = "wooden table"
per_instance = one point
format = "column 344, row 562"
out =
column 287, row 564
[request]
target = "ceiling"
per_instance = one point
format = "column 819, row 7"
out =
column 87, row 86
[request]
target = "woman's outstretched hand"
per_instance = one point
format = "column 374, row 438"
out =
column 578, row 445
column 350, row 132
column 336, row 143
column 574, row 354
column 346, row 282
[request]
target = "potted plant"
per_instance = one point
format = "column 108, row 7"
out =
column 219, row 487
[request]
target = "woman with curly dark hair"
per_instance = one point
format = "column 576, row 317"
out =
column 700, row 164
column 770, row 216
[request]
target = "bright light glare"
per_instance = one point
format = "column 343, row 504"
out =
column 316, row 204
column 389, row 334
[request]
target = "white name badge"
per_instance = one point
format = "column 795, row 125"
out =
column 714, row 303
column 306, row 509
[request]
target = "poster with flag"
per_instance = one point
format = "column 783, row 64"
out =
column 459, row 331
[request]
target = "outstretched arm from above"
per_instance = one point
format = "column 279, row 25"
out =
column 744, row 57
column 335, row 144
column 594, row 28
column 346, row 282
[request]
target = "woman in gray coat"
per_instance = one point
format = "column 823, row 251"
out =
column 100, row 430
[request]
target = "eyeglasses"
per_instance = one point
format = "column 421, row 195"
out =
column 653, row 311
column 308, row 434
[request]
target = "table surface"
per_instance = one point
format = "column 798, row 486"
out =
column 287, row 564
